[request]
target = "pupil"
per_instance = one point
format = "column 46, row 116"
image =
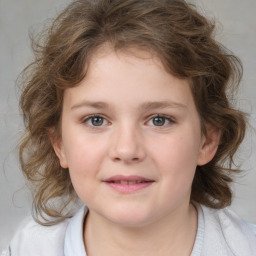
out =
column 97, row 121
column 159, row 121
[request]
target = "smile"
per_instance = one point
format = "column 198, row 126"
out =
column 128, row 184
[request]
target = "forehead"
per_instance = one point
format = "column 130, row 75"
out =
column 134, row 60
column 128, row 80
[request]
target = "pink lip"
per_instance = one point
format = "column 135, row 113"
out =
column 128, row 184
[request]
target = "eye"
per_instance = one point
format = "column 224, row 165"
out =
column 95, row 120
column 159, row 120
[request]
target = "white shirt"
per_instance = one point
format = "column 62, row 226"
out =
column 219, row 233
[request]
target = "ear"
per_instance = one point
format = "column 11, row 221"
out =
column 210, row 142
column 58, row 148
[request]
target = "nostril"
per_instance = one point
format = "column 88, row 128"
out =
column 134, row 159
column 116, row 159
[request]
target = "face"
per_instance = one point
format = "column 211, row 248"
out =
column 131, row 139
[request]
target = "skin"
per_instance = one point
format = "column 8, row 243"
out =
column 131, row 94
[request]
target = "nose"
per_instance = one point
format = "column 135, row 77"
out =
column 127, row 145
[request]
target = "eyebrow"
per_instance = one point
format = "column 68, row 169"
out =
column 145, row 106
column 161, row 105
column 92, row 104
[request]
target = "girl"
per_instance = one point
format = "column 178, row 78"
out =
column 126, row 108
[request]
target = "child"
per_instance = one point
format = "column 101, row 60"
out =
column 126, row 107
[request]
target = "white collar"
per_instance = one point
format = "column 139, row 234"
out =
column 73, row 243
column 219, row 232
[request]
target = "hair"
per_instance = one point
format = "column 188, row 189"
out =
column 183, row 40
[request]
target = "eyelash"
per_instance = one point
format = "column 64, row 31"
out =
column 165, row 118
column 90, row 118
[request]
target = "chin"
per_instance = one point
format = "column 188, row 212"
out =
column 130, row 219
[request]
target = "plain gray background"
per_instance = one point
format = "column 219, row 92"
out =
column 237, row 30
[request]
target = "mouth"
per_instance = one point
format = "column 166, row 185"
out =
column 128, row 184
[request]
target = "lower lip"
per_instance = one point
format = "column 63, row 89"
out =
column 128, row 188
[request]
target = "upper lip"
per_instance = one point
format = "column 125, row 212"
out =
column 128, row 178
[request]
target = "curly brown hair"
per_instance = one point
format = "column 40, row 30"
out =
column 183, row 40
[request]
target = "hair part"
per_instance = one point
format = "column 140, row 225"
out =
column 182, row 39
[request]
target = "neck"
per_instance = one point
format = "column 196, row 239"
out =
column 164, row 237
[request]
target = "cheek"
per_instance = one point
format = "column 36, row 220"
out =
column 84, row 157
column 176, row 156
column 84, row 166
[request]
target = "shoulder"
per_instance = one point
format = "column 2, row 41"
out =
column 225, row 230
column 35, row 239
column 252, row 227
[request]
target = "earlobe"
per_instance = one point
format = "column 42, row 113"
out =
column 209, row 145
column 58, row 149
